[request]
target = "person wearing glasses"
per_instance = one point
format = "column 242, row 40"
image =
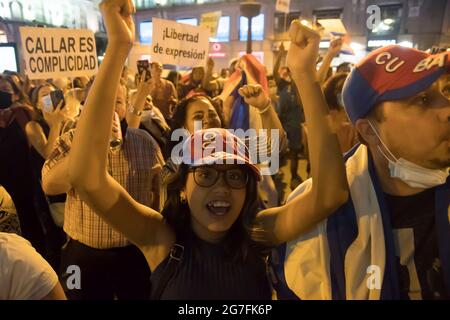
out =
column 209, row 241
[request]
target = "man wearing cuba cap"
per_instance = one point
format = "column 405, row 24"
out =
column 391, row 240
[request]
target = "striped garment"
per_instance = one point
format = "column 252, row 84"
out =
column 249, row 71
column 136, row 166
column 336, row 259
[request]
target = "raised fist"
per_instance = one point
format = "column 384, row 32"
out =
column 118, row 21
column 304, row 49
column 335, row 47
column 254, row 95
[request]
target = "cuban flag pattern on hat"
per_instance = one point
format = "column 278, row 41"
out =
column 390, row 73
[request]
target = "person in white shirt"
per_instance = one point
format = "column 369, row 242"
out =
column 24, row 274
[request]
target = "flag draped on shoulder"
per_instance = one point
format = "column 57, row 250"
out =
column 338, row 259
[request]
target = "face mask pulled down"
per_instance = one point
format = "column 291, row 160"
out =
column 410, row 173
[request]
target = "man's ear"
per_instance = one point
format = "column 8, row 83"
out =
column 367, row 132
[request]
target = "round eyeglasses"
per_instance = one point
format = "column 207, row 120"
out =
column 235, row 178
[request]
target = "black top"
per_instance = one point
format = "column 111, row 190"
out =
column 414, row 226
column 282, row 84
column 290, row 108
column 38, row 162
column 206, row 273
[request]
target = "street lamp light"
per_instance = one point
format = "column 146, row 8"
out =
column 250, row 9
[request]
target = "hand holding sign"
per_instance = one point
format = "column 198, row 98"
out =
column 58, row 53
column 118, row 21
column 304, row 49
column 179, row 44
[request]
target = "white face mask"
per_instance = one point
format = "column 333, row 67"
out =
column 410, row 173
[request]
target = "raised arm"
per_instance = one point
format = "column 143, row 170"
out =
column 329, row 184
column 207, row 82
column 88, row 156
column 55, row 180
column 173, row 97
column 36, row 135
column 134, row 113
column 255, row 96
column 276, row 67
column 333, row 51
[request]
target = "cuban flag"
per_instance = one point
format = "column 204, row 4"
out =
column 334, row 28
column 249, row 71
column 352, row 255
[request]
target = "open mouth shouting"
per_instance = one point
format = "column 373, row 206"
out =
column 218, row 207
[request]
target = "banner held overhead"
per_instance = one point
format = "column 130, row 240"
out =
column 179, row 44
column 210, row 21
column 57, row 52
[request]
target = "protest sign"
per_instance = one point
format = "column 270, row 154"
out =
column 56, row 52
column 283, row 5
column 210, row 21
column 179, row 44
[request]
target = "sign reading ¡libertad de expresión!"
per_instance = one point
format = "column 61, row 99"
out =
column 179, row 44
column 54, row 52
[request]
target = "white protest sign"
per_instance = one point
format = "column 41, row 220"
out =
column 283, row 5
column 210, row 21
column 179, row 44
column 56, row 52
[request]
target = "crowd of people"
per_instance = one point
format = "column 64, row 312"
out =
column 145, row 185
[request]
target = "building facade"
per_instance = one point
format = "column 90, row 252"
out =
column 417, row 23
column 370, row 23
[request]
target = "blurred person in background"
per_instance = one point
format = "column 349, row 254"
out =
column 20, row 171
column 163, row 92
column 24, row 274
column 111, row 266
column 346, row 132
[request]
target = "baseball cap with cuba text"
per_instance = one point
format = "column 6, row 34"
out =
column 390, row 73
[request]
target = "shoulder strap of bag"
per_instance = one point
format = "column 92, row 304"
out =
column 175, row 258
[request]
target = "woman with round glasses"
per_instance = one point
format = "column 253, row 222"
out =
column 210, row 208
column 209, row 241
column 206, row 177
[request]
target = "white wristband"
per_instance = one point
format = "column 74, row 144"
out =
column 269, row 104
